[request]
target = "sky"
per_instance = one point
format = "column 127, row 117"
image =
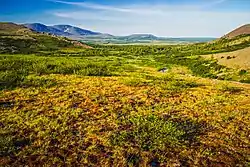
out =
column 168, row 18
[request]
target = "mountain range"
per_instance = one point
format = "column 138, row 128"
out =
column 17, row 38
column 89, row 36
column 61, row 30
column 79, row 33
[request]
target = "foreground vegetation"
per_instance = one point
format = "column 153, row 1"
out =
column 149, row 118
column 112, row 106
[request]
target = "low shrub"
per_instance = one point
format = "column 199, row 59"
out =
column 243, row 72
column 155, row 133
column 149, row 133
column 37, row 81
column 247, row 80
column 230, row 89
column 10, row 79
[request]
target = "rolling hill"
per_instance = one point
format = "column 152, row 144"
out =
column 135, row 37
column 12, row 28
column 237, row 45
column 239, row 59
column 16, row 38
column 243, row 30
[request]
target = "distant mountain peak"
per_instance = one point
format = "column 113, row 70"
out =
column 61, row 30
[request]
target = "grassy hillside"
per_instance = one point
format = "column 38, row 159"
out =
column 113, row 106
column 13, row 29
column 18, row 39
column 239, row 59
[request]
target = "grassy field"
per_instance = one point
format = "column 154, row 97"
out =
column 111, row 106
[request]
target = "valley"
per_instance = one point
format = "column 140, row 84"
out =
column 64, row 102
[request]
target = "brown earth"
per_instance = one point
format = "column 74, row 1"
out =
column 243, row 30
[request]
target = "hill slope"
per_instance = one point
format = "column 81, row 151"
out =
column 243, row 30
column 232, row 50
column 239, row 59
column 12, row 28
column 16, row 38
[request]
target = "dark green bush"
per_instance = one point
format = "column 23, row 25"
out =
column 243, row 72
column 13, row 70
column 247, row 80
column 149, row 133
column 10, row 145
column 36, row 81
column 230, row 89
column 9, row 79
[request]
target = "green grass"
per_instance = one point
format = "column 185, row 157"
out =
column 92, row 120
column 153, row 133
column 110, row 106
column 14, row 69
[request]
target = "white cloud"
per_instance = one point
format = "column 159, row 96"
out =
column 162, row 20
column 141, row 8
column 94, row 6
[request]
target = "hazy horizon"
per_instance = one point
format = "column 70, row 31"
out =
column 182, row 19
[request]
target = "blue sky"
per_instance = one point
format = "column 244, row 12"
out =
column 171, row 18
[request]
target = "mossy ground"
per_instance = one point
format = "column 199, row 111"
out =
column 139, row 118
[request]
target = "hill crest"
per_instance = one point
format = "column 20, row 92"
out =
column 15, row 38
column 243, row 30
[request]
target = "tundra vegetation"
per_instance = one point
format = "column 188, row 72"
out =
column 111, row 106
